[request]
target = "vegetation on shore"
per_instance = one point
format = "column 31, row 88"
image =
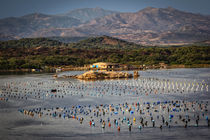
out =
column 41, row 52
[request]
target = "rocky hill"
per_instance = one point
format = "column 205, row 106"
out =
column 78, row 42
column 150, row 26
column 105, row 42
column 19, row 27
column 87, row 14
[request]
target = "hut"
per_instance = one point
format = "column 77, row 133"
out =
column 163, row 66
column 104, row 65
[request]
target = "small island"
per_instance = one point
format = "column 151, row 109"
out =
column 103, row 75
column 96, row 75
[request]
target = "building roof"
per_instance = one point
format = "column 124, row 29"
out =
column 104, row 63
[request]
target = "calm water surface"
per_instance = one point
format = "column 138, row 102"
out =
column 34, row 91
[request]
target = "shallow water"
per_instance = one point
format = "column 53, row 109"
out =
column 33, row 91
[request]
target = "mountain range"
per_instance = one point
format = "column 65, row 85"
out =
column 150, row 26
column 87, row 14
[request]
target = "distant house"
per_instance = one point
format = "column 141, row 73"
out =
column 104, row 65
column 35, row 70
column 163, row 65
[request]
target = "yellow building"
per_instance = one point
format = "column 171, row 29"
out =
column 163, row 65
column 104, row 65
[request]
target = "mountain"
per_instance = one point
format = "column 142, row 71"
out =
column 36, row 24
column 87, row 14
column 19, row 27
column 201, row 43
column 150, row 26
column 4, row 37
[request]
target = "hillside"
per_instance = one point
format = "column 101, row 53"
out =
column 87, row 14
column 67, row 39
column 150, row 26
column 43, row 52
column 29, row 43
column 104, row 42
column 202, row 43
column 20, row 27
column 42, row 25
column 72, row 42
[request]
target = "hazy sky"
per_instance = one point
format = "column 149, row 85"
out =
column 22, row 7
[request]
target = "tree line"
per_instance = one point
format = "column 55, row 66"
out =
column 50, row 54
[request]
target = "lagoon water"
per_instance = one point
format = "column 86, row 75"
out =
column 29, row 102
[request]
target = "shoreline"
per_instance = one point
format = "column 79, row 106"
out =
column 53, row 70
